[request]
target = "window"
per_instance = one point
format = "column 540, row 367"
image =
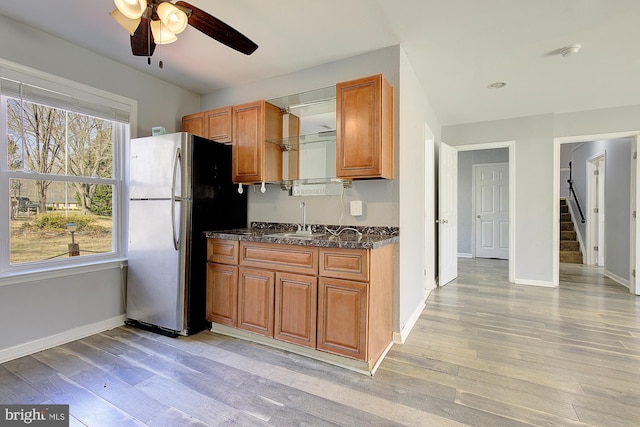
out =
column 62, row 181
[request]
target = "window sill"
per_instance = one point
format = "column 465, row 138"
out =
column 17, row 277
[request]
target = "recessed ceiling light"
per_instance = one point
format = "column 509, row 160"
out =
column 570, row 50
column 497, row 85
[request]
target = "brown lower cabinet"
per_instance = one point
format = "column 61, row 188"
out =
column 296, row 308
column 255, row 300
column 332, row 300
column 342, row 325
column 222, row 294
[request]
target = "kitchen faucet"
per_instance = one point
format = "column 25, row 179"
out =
column 306, row 229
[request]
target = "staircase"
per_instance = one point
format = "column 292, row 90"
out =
column 569, row 245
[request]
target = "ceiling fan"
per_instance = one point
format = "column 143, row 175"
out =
column 155, row 22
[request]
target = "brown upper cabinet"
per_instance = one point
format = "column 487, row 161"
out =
column 364, row 128
column 194, row 124
column 218, row 124
column 254, row 159
column 215, row 124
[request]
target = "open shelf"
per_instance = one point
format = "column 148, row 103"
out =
column 295, row 143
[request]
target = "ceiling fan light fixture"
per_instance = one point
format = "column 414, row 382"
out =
column 161, row 34
column 173, row 18
column 127, row 23
column 132, row 9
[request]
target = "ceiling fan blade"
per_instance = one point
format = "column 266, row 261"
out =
column 142, row 43
column 218, row 30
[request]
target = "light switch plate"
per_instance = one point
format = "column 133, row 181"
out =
column 356, row 207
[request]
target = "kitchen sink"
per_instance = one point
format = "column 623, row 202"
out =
column 294, row 235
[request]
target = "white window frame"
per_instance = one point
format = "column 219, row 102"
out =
column 24, row 272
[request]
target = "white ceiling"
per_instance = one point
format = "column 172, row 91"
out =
column 457, row 47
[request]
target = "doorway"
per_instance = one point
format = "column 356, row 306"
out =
column 447, row 250
column 609, row 232
column 596, row 175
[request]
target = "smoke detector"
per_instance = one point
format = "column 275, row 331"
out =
column 570, row 50
column 497, row 85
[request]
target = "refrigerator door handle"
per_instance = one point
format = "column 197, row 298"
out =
column 177, row 166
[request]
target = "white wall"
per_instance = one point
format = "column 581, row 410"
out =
column 416, row 198
column 47, row 311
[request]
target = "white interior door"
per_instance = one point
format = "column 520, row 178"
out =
column 447, row 214
column 601, row 211
column 595, row 211
column 492, row 210
column 634, row 251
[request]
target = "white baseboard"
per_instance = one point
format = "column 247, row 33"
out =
column 464, row 255
column 401, row 337
column 535, row 283
column 624, row 282
column 59, row 339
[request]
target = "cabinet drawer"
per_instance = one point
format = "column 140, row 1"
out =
column 291, row 258
column 222, row 251
column 350, row 264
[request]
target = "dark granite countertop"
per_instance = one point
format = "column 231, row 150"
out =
column 371, row 237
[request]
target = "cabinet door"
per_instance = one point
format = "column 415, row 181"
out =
column 248, row 134
column 218, row 124
column 255, row 160
column 222, row 294
column 364, row 128
column 256, row 301
column 342, row 317
column 296, row 309
column 194, row 124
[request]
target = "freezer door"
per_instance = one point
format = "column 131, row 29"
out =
column 156, row 270
column 152, row 164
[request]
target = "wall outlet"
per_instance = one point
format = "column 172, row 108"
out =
column 356, row 207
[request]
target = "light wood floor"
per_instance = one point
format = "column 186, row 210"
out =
column 483, row 353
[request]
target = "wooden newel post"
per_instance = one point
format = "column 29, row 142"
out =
column 74, row 248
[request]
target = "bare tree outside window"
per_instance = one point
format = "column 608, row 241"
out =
column 71, row 158
column 89, row 153
column 41, row 133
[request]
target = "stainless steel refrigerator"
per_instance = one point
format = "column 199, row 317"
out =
column 179, row 186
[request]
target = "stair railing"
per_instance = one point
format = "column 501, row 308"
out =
column 575, row 196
